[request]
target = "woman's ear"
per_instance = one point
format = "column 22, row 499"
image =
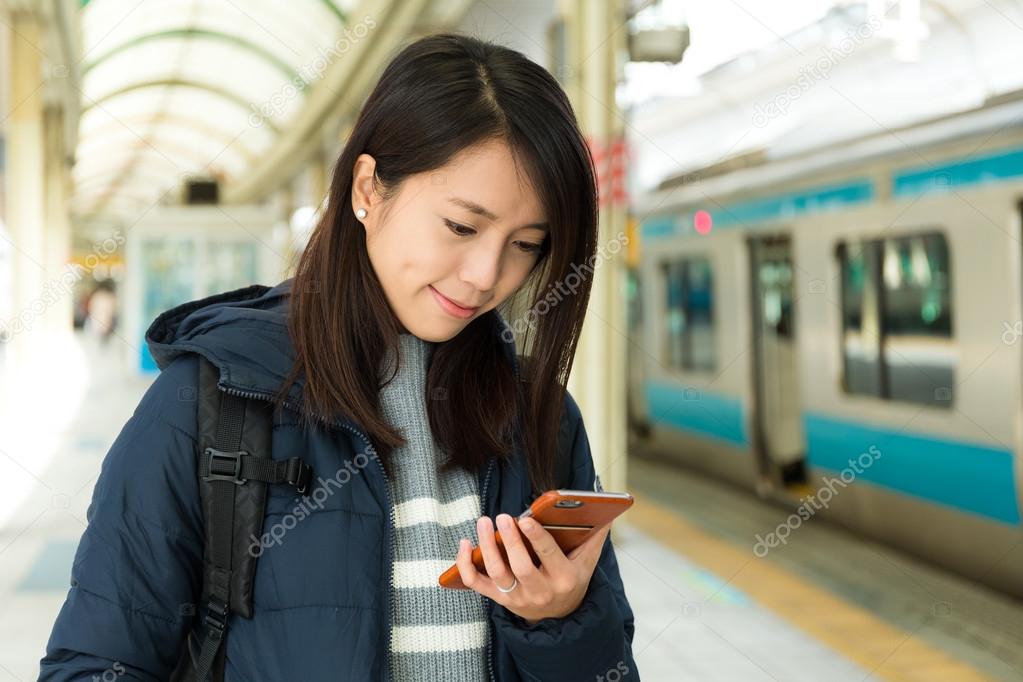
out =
column 364, row 192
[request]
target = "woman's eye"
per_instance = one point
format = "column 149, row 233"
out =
column 464, row 231
column 530, row 247
column 459, row 229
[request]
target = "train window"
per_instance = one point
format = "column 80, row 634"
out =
column 896, row 319
column 862, row 370
column 918, row 357
column 690, row 314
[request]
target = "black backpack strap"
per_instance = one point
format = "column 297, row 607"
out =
column 240, row 467
column 220, row 528
column 235, row 467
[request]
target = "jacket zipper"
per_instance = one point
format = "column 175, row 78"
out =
column 387, row 493
column 483, row 497
column 490, row 604
column 388, row 562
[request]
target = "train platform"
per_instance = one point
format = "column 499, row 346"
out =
column 827, row 606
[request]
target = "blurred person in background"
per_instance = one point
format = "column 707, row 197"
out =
column 101, row 309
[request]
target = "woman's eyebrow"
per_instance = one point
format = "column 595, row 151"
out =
column 473, row 207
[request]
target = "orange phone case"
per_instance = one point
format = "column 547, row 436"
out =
column 570, row 516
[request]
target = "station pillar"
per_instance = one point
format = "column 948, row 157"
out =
column 36, row 185
column 595, row 39
column 24, row 190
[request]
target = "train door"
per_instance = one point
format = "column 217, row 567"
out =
column 777, row 410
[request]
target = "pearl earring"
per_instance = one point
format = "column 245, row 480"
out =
column 361, row 213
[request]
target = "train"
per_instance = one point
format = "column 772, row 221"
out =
column 840, row 330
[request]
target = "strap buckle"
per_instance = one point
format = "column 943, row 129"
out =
column 299, row 474
column 225, row 466
column 216, row 618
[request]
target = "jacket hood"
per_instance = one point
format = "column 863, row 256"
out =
column 244, row 333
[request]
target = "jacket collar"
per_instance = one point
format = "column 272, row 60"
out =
column 244, row 333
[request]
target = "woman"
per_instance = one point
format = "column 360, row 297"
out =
column 464, row 187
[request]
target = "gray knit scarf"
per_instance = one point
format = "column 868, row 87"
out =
column 437, row 633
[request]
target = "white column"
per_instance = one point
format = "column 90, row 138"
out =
column 24, row 179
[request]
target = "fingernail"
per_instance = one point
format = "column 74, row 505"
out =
column 503, row 522
column 527, row 524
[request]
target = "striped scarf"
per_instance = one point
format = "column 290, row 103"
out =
column 437, row 633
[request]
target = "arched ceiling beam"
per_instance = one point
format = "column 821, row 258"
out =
column 338, row 94
column 222, row 93
column 222, row 138
column 183, row 158
column 158, row 136
column 199, row 34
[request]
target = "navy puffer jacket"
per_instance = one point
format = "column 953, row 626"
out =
column 320, row 595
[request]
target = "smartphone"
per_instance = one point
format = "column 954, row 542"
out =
column 570, row 516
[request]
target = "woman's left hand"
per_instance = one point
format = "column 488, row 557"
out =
column 553, row 590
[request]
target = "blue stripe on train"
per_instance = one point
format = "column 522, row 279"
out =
column 694, row 409
column 970, row 477
column 909, row 182
column 776, row 207
column 810, row 200
column 973, row 478
column 962, row 172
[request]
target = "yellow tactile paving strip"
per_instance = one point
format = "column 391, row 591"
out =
column 888, row 652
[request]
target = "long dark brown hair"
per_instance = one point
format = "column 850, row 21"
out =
column 439, row 96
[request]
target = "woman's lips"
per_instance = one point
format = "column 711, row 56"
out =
column 451, row 307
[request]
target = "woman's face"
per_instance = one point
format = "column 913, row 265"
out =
column 432, row 249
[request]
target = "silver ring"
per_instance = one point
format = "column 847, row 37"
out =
column 515, row 583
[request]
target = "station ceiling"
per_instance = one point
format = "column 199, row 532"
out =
column 186, row 86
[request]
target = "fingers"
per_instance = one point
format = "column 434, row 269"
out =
column 498, row 571
column 471, row 577
column 589, row 551
column 521, row 564
column 558, row 570
column 545, row 546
